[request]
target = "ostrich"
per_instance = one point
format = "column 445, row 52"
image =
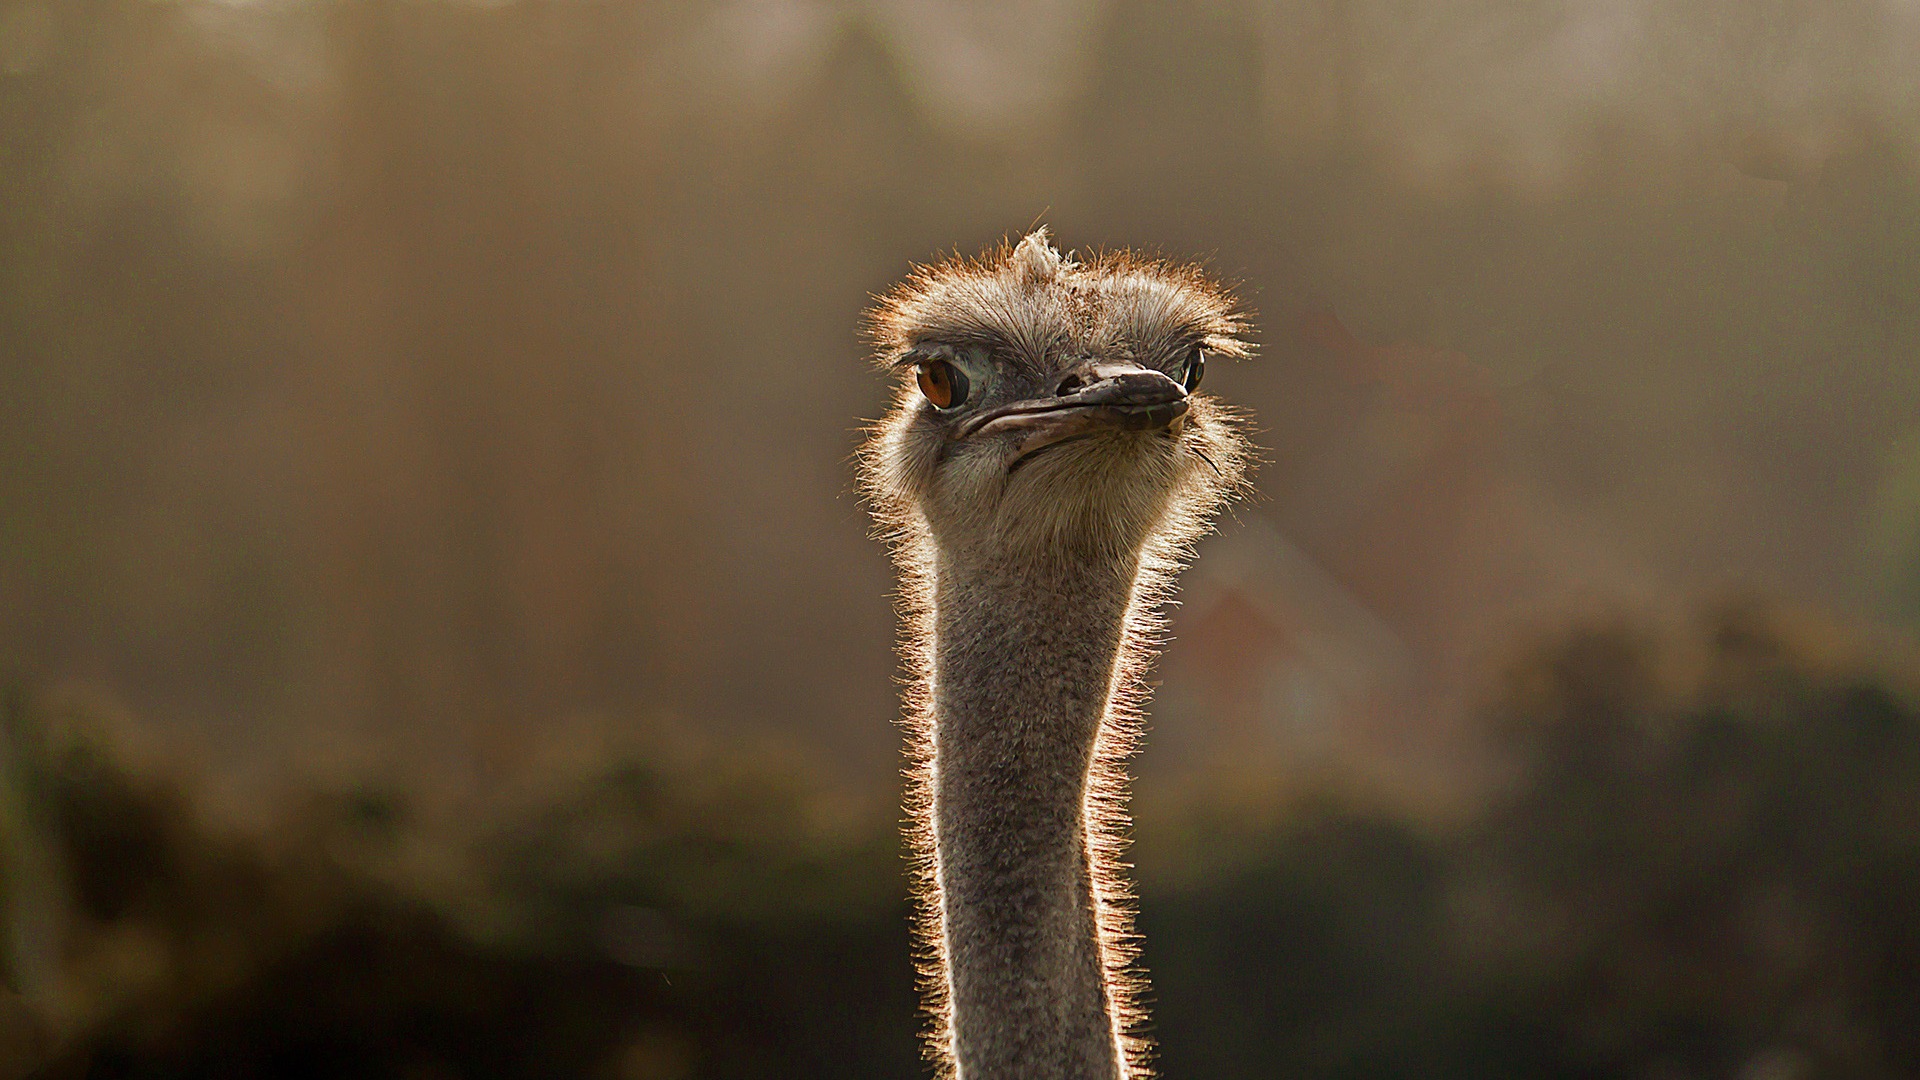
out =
column 1041, row 476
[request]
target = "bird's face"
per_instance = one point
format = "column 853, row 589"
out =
column 1048, row 405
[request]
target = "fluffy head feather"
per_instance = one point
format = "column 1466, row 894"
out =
column 1029, row 314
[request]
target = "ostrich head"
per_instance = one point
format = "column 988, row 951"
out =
column 1048, row 407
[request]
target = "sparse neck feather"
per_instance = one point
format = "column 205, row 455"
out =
column 1024, row 656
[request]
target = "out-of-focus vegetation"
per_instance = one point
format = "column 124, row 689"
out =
column 398, row 398
column 662, row 910
column 1704, row 862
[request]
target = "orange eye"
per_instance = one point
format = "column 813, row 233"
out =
column 944, row 384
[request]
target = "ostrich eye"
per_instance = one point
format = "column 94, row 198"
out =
column 944, row 383
column 1196, row 367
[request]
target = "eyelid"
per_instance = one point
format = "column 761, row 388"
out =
column 920, row 354
column 975, row 358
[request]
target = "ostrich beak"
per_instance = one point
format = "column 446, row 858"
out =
column 1092, row 399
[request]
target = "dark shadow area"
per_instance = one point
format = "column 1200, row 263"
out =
column 1703, row 863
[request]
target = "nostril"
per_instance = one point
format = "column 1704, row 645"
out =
column 1072, row 384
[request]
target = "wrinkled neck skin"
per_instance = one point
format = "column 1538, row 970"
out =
column 1024, row 657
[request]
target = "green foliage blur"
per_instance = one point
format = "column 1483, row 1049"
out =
column 663, row 912
column 1704, row 861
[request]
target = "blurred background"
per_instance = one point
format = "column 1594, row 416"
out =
column 438, row 637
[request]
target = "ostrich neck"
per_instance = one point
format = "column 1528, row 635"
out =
column 1024, row 657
